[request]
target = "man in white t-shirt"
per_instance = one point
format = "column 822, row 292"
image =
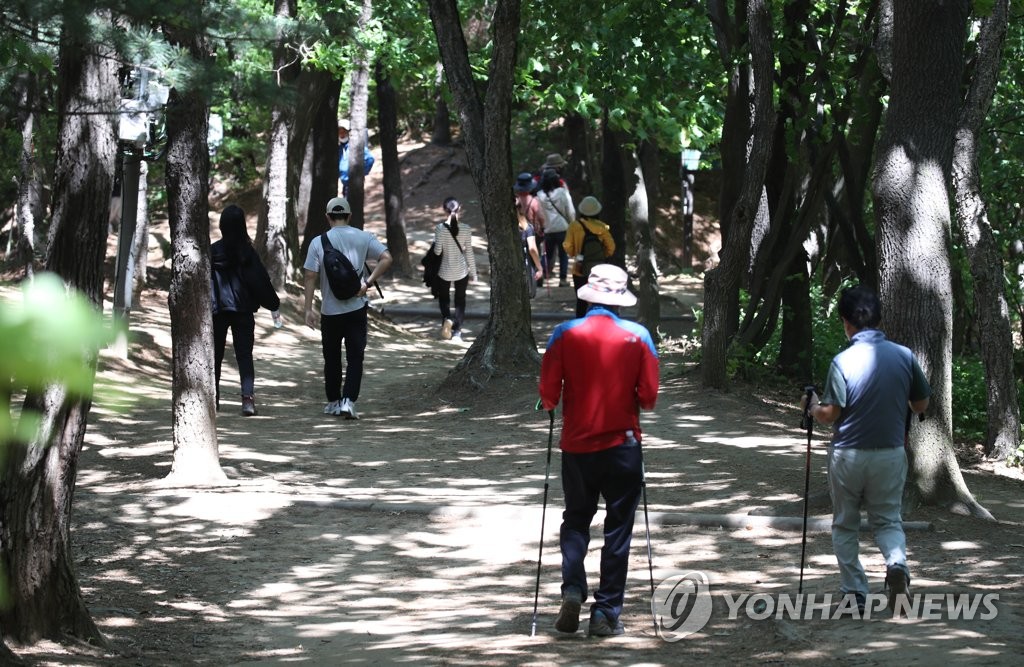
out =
column 342, row 321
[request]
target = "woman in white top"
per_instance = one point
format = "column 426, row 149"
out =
column 454, row 242
column 558, row 213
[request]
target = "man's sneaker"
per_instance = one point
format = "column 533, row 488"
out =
column 457, row 336
column 563, row 283
column 569, row 615
column 602, row 626
column 897, row 581
column 248, row 406
column 333, row 408
column 446, row 330
column 348, row 409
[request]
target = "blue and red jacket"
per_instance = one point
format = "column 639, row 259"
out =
column 605, row 370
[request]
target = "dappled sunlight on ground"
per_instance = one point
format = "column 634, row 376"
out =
column 411, row 535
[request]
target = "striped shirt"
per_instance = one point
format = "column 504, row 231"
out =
column 455, row 264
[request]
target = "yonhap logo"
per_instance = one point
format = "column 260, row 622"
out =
column 682, row 605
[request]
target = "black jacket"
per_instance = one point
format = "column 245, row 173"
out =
column 239, row 284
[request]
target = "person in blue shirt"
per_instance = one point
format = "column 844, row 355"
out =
column 871, row 390
column 343, row 127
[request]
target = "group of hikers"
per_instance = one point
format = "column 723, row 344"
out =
column 603, row 370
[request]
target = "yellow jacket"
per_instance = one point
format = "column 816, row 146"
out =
column 573, row 243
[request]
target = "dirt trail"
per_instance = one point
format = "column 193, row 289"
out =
column 411, row 535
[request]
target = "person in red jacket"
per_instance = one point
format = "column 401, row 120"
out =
column 604, row 370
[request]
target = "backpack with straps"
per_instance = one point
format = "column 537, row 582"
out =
column 342, row 276
column 592, row 250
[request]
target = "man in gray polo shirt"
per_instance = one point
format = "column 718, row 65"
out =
column 869, row 389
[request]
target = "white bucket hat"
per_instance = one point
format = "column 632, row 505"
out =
column 607, row 286
column 590, row 207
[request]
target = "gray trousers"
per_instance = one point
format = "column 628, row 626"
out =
column 869, row 479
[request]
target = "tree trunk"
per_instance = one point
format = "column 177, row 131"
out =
column 29, row 185
column 647, row 171
column 140, row 239
column 615, row 190
column 852, row 243
column 912, row 209
column 394, row 209
column 505, row 347
column 736, row 124
column 721, row 284
column 992, row 311
column 324, row 179
column 358, row 135
column 39, row 478
column 579, row 172
column 196, row 460
column 278, row 200
column 442, row 134
column 796, row 347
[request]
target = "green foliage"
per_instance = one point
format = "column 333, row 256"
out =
column 651, row 65
column 1001, row 144
column 970, row 397
column 46, row 337
column 828, row 333
column 970, row 404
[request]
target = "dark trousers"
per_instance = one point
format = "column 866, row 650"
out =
column 614, row 474
column 581, row 306
column 553, row 248
column 243, row 337
column 350, row 329
column 444, row 300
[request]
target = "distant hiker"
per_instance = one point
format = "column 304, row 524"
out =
column 531, row 256
column 453, row 241
column 558, row 213
column 527, row 204
column 368, row 160
column 589, row 242
column 871, row 390
column 554, row 162
column 342, row 321
column 604, row 370
column 239, row 285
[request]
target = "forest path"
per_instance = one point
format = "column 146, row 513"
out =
column 411, row 535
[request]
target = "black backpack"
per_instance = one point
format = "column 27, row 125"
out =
column 592, row 250
column 343, row 278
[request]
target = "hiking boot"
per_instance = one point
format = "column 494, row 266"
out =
column 569, row 615
column 602, row 626
column 248, row 406
column 446, row 330
column 897, row 581
column 348, row 409
column 333, row 408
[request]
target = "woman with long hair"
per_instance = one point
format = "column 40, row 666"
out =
column 239, row 285
column 558, row 213
column 454, row 242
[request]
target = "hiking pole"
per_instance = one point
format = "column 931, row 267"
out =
column 647, row 526
column 543, row 511
column 806, row 422
column 374, row 283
